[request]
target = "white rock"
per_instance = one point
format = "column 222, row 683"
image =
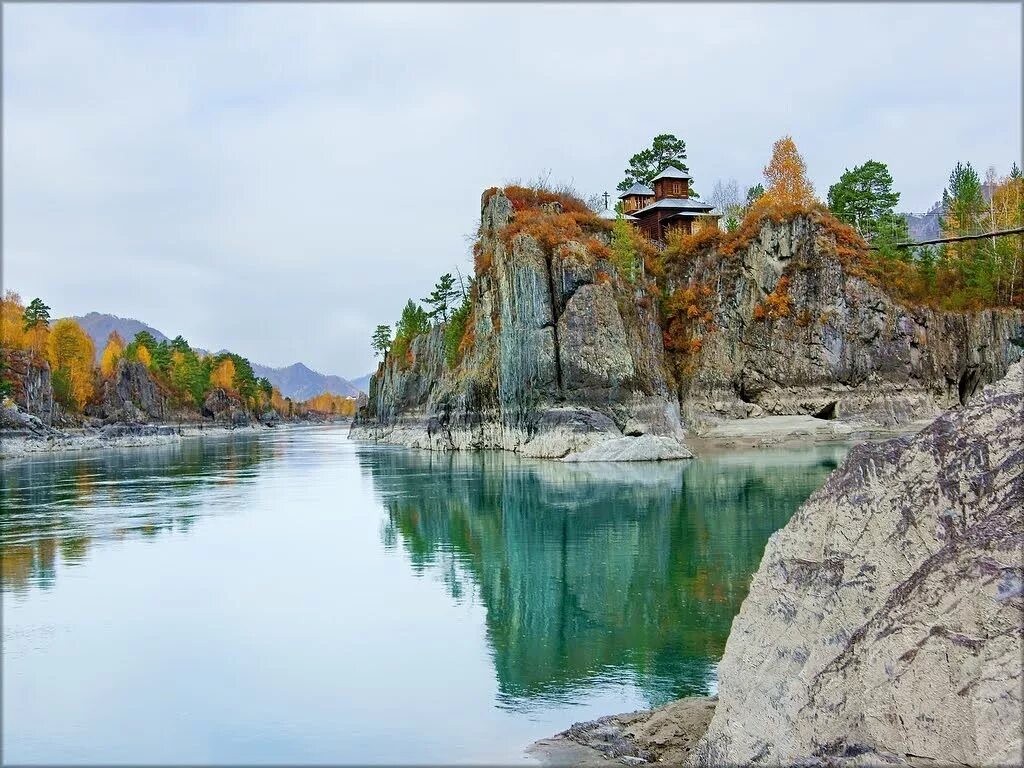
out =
column 643, row 448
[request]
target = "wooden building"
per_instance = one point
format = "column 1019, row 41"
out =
column 667, row 206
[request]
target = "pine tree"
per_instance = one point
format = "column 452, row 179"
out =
column 441, row 297
column 381, row 340
column 665, row 150
column 36, row 314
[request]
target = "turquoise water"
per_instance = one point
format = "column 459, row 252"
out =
column 293, row 597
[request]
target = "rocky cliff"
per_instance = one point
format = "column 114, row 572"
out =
column 561, row 352
column 885, row 624
column 885, row 620
column 565, row 351
column 796, row 328
column 31, row 385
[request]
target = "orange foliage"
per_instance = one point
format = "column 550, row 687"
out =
column 786, row 176
column 598, row 250
column 482, row 259
column 777, row 304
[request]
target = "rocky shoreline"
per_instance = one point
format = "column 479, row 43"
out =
column 35, row 439
column 18, row 443
column 883, row 626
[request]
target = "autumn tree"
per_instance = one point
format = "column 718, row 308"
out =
column 71, row 353
column 665, row 150
column 12, row 328
column 223, row 375
column 786, row 176
column 441, row 298
column 142, row 355
column 111, row 354
column 381, row 340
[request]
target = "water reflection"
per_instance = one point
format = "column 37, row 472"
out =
column 594, row 573
column 56, row 506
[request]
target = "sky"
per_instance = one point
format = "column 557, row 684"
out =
column 279, row 179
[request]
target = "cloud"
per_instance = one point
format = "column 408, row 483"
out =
column 278, row 179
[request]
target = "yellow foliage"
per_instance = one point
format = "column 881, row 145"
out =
column 329, row 404
column 70, row 352
column 786, row 176
column 279, row 403
column 12, row 331
column 143, row 356
column 223, row 375
column 111, row 354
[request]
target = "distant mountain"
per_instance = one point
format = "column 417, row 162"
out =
column 297, row 381
column 99, row 327
column 362, row 383
column 924, row 226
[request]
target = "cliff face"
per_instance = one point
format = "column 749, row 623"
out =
column 565, row 355
column 31, row 385
column 829, row 343
column 885, row 620
column 131, row 396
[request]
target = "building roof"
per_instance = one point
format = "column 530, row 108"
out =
column 692, row 214
column 611, row 215
column 638, row 189
column 679, row 204
column 671, row 172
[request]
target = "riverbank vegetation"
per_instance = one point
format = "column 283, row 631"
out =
column 187, row 376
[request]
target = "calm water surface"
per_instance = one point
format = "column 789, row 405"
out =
column 293, row 597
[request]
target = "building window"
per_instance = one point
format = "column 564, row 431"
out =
column 676, row 189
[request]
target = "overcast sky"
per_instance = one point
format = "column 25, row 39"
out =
column 278, row 179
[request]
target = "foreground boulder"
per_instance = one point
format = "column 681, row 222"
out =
column 885, row 621
column 884, row 626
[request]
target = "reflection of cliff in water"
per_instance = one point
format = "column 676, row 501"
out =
column 57, row 505
column 591, row 572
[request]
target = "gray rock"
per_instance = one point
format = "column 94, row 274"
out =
column 644, row 448
column 32, row 385
column 131, row 396
column 885, row 621
column 846, row 350
column 561, row 361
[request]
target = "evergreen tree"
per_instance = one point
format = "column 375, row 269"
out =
column 381, row 340
column 441, row 297
column 863, row 196
column 665, row 150
column 754, row 193
column 36, row 313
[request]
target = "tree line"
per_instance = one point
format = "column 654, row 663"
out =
column 185, row 374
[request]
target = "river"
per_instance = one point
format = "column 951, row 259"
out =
column 294, row 597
